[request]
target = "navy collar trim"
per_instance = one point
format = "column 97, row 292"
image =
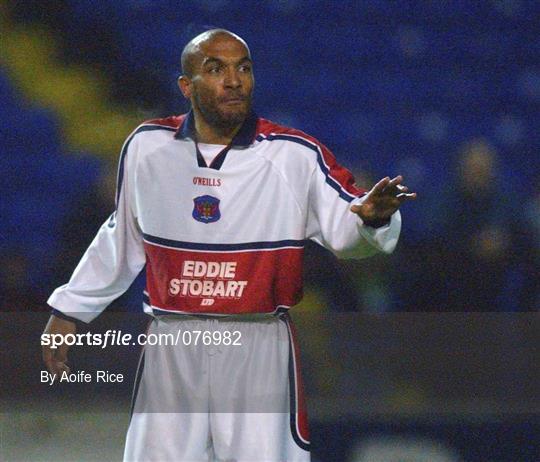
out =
column 244, row 137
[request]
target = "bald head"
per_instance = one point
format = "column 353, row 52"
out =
column 192, row 54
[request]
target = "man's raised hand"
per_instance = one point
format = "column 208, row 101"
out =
column 382, row 201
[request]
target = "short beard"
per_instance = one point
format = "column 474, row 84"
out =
column 216, row 119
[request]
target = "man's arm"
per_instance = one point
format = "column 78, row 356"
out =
column 106, row 270
column 348, row 221
column 114, row 258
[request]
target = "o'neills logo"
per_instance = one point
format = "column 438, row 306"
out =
column 207, row 279
column 200, row 181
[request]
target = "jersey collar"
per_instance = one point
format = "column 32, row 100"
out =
column 243, row 138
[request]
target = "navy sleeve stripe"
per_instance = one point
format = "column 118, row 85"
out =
column 313, row 146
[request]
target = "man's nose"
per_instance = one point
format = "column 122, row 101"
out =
column 232, row 79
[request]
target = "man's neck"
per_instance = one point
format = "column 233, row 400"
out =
column 212, row 135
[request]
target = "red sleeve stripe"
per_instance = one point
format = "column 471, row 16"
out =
column 337, row 176
column 172, row 122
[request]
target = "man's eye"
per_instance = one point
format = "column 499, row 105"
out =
column 245, row 68
column 214, row 70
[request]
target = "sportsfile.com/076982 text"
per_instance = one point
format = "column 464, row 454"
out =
column 118, row 338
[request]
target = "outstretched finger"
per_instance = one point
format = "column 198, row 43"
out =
column 380, row 185
column 402, row 189
column 394, row 182
column 406, row 196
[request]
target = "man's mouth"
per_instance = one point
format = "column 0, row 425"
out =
column 233, row 100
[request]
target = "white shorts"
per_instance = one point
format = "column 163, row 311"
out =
column 239, row 402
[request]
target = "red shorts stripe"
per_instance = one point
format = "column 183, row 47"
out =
column 299, row 417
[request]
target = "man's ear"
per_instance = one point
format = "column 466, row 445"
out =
column 184, row 83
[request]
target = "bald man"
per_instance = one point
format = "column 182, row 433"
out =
column 218, row 204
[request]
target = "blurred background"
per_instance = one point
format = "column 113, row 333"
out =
column 441, row 364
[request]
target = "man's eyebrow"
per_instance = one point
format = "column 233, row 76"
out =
column 212, row 60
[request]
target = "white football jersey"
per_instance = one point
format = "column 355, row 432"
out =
column 222, row 239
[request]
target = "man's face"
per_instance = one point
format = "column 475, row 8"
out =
column 222, row 82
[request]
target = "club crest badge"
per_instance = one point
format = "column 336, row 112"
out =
column 206, row 209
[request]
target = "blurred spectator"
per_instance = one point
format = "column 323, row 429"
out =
column 472, row 264
column 480, row 228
